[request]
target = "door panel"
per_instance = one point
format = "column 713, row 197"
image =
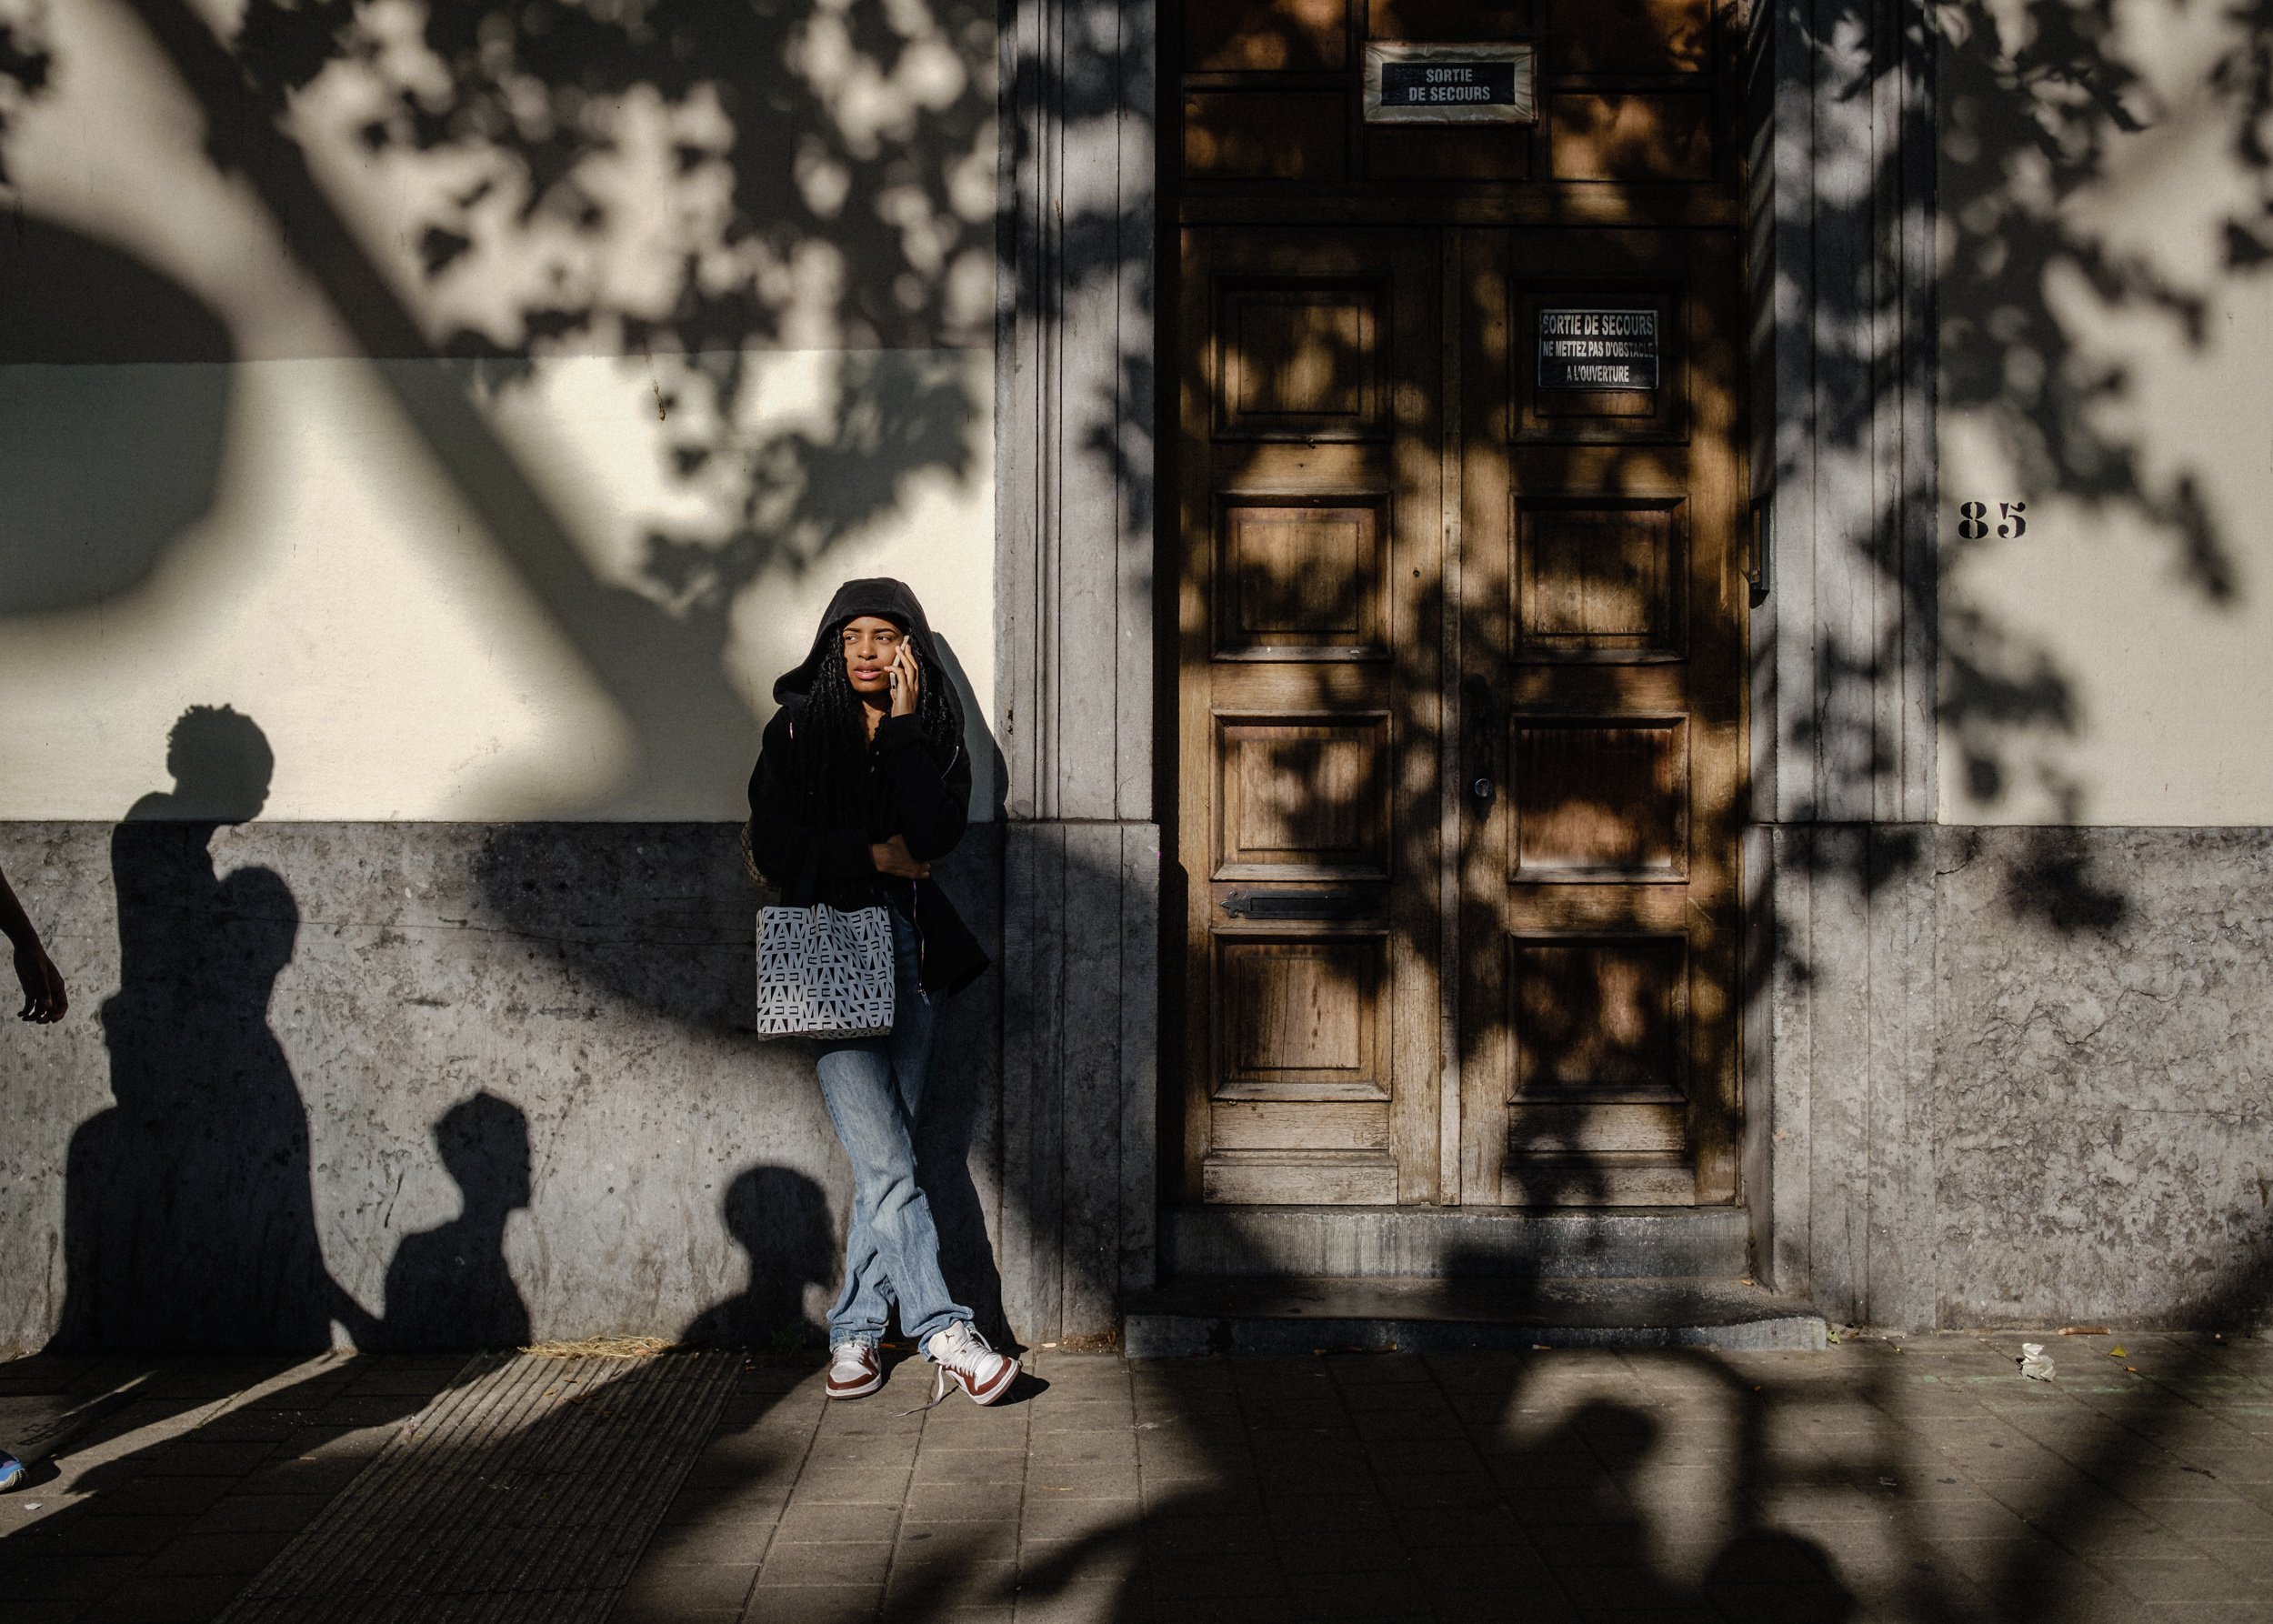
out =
column 1596, row 799
column 1599, row 578
column 1303, row 795
column 1312, row 633
column 1461, row 623
column 1301, row 580
column 1598, row 910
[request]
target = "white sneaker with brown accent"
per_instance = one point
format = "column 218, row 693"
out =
column 854, row 1370
column 964, row 1358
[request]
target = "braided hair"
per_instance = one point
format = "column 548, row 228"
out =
column 833, row 737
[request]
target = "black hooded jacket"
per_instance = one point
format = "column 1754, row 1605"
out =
column 912, row 794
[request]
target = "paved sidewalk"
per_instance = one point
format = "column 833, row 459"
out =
column 1914, row 1481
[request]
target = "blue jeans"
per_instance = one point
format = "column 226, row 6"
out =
column 875, row 1090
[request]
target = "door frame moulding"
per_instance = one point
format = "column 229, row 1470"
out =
column 1839, row 134
column 1241, row 202
column 1847, row 505
column 1076, row 243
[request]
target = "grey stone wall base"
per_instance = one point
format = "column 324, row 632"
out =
column 1080, row 1023
column 1850, row 1103
column 437, row 1083
column 508, row 1074
column 2019, row 1076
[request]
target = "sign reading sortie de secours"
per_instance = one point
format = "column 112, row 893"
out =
column 1450, row 83
column 1597, row 349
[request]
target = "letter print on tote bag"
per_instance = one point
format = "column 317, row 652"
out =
column 824, row 973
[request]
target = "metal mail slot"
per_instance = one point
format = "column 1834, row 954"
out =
column 1300, row 905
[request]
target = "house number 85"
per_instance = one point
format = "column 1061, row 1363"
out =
column 1973, row 520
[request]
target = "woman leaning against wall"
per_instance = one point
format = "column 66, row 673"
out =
column 862, row 781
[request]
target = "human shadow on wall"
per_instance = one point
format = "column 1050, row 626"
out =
column 449, row 1287
column 189, row 1215
column 780, row 1220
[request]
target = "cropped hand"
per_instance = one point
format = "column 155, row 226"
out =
column 906, row 684
column 44, row 996
column 891, row 857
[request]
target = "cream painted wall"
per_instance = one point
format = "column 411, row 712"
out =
column 2107, row 343
column 555, row 584
column 342, row 591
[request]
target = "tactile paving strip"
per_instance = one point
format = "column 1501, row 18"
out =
column 525, row 1493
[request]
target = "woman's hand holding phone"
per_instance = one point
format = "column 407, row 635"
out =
column 891, row 857
column 905, row 681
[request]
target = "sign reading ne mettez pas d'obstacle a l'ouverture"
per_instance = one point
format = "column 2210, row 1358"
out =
column 1471, row 84
column 1597, row 349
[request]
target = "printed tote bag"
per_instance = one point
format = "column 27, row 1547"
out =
column 823, row 972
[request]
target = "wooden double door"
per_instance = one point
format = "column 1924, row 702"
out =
column 1462, row 613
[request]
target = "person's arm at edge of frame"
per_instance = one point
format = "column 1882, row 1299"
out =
column 44, row 996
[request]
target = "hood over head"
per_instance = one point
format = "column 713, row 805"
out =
column 887, row 600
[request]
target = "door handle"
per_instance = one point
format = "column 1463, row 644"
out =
column 1479, row 734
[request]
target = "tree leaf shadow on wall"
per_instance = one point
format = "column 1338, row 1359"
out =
column 2036, row 109
column 660, row 660
column 909, row 283
column 659, row 654
column 26, row 65
column 663, row 665
column 2027, row 126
